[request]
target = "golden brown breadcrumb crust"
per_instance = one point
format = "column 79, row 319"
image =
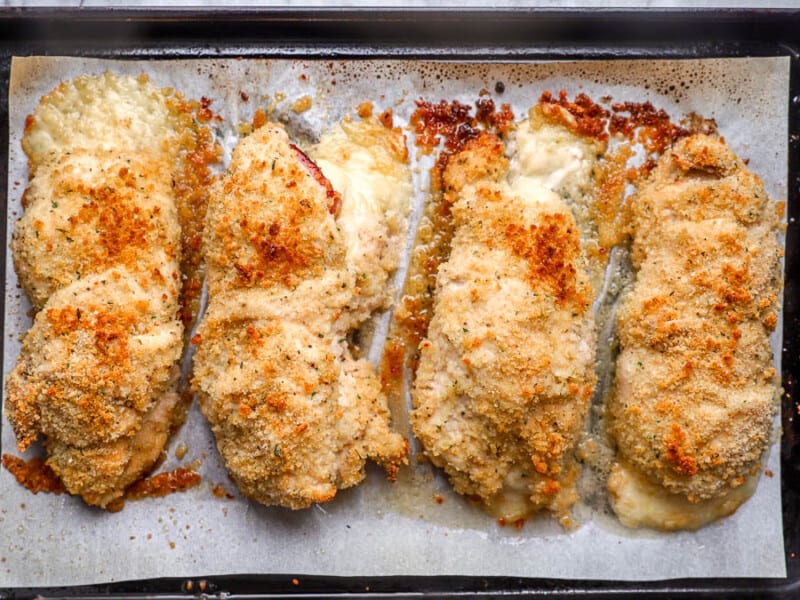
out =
column 98, row 251
column 507, row 368
column 294, row 414
column 695, row 387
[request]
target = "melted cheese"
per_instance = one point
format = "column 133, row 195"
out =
column 552, row 156
column 641, row 503
column 367, row 164
column 109, row 112
column 533, row 193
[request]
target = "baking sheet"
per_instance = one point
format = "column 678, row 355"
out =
column 379, row 528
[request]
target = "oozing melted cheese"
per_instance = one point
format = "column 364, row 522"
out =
column 367, row 164
column 553, row 157
column 109, row 112
column 641, row 503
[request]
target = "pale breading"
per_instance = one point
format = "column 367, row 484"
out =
column 98, row 251
column 695, row 389
column 507, row 369
column 294, row 414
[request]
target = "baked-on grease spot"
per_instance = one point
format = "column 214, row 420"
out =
column 33, row 474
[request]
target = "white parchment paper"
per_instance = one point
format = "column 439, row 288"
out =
column 380, row 528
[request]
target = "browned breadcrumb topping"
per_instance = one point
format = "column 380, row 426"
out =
column 364, row 110
column 110, row 331
column 677, row 452
column 452, row 125
column 281, row 250
column 433, row 123
column 33, row 474
column 117, row 227
column 259, row 119
column 611, row 177
column 698, row 321
column 122, row 227
column 278, row 250
column 109, row 328
column 163, row 484
column 387, row 118
column 585, row 116
column 497, row 121
column 551, row 248
column 650, row 126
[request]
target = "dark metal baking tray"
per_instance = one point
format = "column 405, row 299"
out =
column 486, row 35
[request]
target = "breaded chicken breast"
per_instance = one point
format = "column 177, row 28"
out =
column 695, row 389
column 97, row 251
column 293, row 266
column 507, row 369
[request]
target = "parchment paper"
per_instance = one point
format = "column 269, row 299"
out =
column 379, row 528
